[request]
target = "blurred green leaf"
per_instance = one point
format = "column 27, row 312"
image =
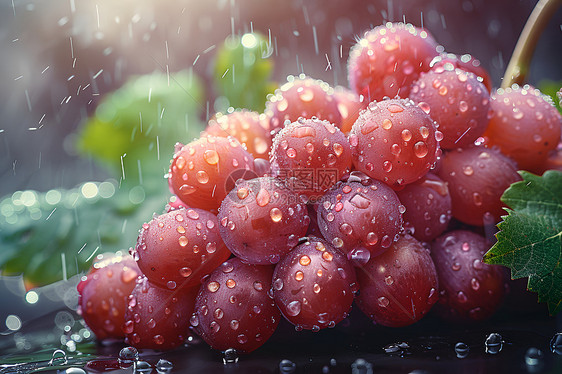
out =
column 41, row 231
column 550, row 88
column 243, row 71
column 135, row 127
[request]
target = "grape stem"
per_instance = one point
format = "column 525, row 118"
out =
column 518, row 66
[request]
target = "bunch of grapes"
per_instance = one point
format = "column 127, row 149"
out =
column 376, row 194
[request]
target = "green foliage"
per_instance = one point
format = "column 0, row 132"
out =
column 530, row 236
column 38, row 231
column 140, row 122
column 550, row 88
column 243, row 70
column 133, row 131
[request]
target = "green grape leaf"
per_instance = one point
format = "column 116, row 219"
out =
column 134, row 128
column 242, row 71
column 530, row 237
column 56, row 234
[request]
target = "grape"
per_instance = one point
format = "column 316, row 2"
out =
column 470, row 290
column 177, row 249
column 400, row 286
column 249, row 128
column 526, row 126
column 388, row 59
column 394, row 141
column 457, row 101
column 233, row 309
column 158, row 318
column 312, row 155
column 261, row 220
column 428, row 207
column 465, row 62
column 103, row 294
column 203, row 171
column 350, row 105
column 302, row 97
column 477, row 177
column 314, row 285
column 361, row 219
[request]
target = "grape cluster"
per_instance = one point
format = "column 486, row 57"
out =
column 375, row 193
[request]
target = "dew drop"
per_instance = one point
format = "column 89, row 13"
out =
column 294, row 308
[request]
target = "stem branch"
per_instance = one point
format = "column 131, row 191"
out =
column 523, row 53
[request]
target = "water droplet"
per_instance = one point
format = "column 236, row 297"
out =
column 387, row 166
column 360, row 366
column 183, row 241
column 556, row 344
column 299, row 275
column 291, row 152
column 463, row 106
column 211, row 157
column 262, row 198
column 304, row 260
column 230, row 356
column 143, row 367
column 202, row 177
column 462, row 297
column 395, row 108
column 213, row 286
column 456, row 266
column 461, row 349
column 442, row 90
column 406, row 135
column 534, row 357
column 59, row 358
column 477, row 264
column 367, row 128
column 420, row 149
column 128, row 355
column 164, row 366
column 475, row 284
column 294, row 308
column 278, row 284
column 287, row 367
column 338, row 149
column 230, row 283
column 386, row 124
column 425, row 107
column 275, row 214
column 494, row 343
column 383, row 301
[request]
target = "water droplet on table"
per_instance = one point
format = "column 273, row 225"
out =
column 287, row 366
column 164, row 366
column 461, row 349
column 494, row 343
column 230, row 356
column 360, row 366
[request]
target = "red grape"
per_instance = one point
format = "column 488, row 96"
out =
column 457, row 101
column 477, row 177
column 312, row 155
column 249, row 128
column 302, row 97
column 314, row 285
column 177, row 249
column 158, row 318
column 388, row 59
column 428, row 207
column 465, row 62
column 470, row 290
column 103, row 294
column 350, row 105
column 394, row 141
column 261, row 220
column 400, row 286
column 361, row 219
column 201, row 170
column 233, row 308
column 526, row 126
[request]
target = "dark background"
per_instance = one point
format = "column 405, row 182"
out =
column 129, row 37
